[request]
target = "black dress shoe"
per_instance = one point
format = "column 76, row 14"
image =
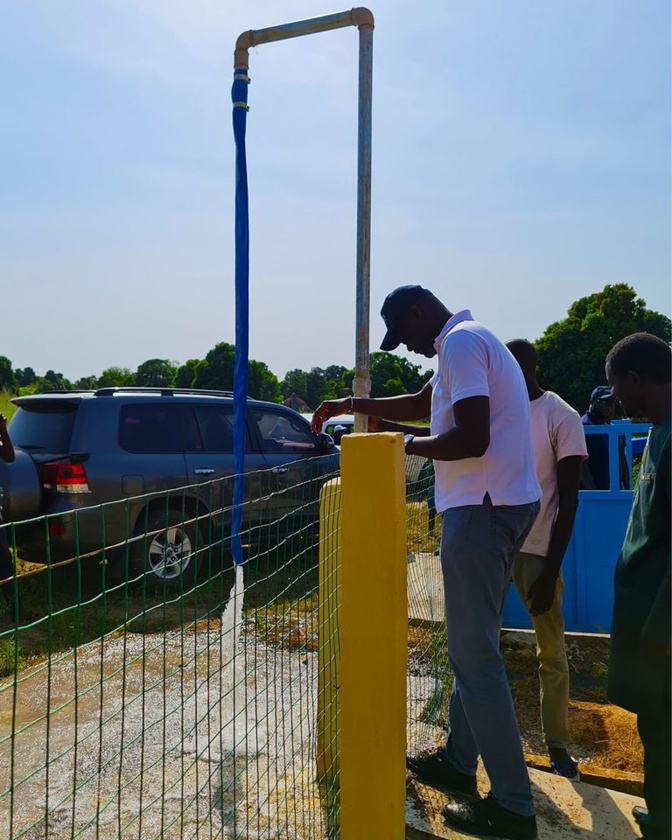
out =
column 641, row 816
column 488, row 819
column 435, row 769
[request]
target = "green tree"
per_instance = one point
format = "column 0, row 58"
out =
column 572, row 351
column 115, row 377
column 216, row 372
column 52, row 381
column 338, row 380
column 295, row 382
column 392, row 375
column 263, row 384
column 25, row 376
column 156, row 373
column 186, row 373
column 7, row 378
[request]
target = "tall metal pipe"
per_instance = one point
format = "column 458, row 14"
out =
column 362, row 383
column 363, row 19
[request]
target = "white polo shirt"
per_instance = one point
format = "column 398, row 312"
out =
column 473, row 362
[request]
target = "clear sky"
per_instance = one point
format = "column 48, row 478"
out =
column 521, row 159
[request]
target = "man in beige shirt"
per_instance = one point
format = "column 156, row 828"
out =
column 559, row 446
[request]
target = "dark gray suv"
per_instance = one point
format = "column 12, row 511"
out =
column 163, row 460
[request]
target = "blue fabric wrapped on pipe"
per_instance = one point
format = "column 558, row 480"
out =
column 242, row 280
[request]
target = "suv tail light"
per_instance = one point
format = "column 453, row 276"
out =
column 63, row 477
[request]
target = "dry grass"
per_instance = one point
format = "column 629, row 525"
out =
column 600, row 733
column 617, row 744
column 418, row 537
column 285, row 627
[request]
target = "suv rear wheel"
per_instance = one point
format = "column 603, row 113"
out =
column 171, row 551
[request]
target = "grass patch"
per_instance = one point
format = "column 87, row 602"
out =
column 281, row 598
column 428, row 656
column 74, row 604
column 10, row 657
column 6, row 407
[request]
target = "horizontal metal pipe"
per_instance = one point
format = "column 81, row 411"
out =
column 254, row 37
column 363, row 19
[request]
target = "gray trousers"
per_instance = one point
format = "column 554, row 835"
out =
column 478, row 547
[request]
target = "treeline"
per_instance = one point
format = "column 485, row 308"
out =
column 571, row 361
column 389, row 375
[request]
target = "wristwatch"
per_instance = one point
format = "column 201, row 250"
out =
column 407, row 440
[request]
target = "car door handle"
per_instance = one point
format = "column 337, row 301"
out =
column 204, row 471
column 280, row 470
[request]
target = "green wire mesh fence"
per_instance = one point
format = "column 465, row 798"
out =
column 429, row 680
column 150, row 690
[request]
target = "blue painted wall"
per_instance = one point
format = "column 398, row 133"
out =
column 588, row 566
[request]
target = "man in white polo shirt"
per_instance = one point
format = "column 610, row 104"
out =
column 559, row 445
column 487, row 490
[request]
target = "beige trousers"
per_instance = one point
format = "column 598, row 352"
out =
column 551, row 653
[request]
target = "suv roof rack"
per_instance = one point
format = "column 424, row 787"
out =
column 164, row 392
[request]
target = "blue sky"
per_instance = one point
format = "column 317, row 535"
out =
column 521, row 159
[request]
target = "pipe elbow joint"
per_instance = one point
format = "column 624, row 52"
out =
column 241, row 54
column 245, row 40
column 361, row 16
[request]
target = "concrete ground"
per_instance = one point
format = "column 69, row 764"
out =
column 565, row 810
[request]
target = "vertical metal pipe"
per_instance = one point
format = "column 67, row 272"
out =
column 362, row 384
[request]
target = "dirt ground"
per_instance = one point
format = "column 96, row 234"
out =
column 600, row 734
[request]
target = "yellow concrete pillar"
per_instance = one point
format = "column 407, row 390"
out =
column 373, row 638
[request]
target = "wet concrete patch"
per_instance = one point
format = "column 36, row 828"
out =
column 160, row 736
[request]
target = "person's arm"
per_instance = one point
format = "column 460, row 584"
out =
column 542, row 591
column 655, row 638
column 376, row 425
column 6, row 448
column 468, row 438
column 404, row 407
column 464, row 363
column 623, row 468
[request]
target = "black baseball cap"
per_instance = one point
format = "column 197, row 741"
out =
column 602, row 392
column 396, row 303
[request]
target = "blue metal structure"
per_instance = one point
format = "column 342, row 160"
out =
column 590, row 560
column 242, row 281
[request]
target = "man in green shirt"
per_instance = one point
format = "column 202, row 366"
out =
column 638, row 371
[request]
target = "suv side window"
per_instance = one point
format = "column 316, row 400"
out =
column 216, row 425
column 283, row 433
column 150, row 428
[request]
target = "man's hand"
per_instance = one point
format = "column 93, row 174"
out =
column 7, row 453
column 327, row 409
column 542, row 593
